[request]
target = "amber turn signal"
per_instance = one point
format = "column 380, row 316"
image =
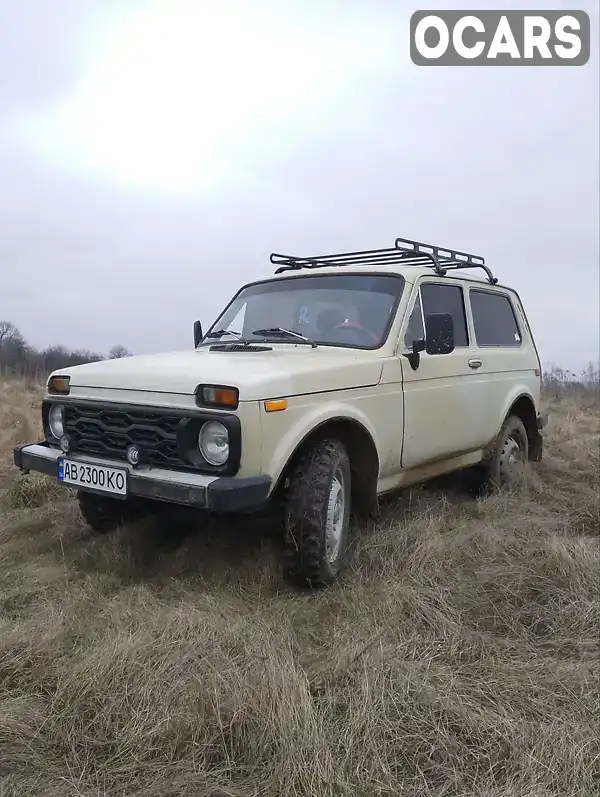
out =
column 275, row 405
column 59, row 385
column 216, row 396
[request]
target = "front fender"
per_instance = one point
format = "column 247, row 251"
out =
column 283, row 434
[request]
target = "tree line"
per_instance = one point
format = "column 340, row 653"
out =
column 20, row 358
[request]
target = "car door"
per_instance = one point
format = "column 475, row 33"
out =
column 444, row 398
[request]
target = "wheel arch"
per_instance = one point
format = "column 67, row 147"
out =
column 362, row 452
column 523, row 406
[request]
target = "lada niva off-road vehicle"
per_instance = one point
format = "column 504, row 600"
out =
column 331, row 382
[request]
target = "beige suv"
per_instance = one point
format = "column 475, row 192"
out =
column 319, row 388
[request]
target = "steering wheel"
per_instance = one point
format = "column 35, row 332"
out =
column 366, row 334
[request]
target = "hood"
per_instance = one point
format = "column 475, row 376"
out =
column 286, row 370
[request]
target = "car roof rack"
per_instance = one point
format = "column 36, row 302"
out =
column 405, row 252
column 444, row 259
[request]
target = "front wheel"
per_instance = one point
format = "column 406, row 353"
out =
column 317, row 515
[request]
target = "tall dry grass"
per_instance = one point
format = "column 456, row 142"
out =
column 458, row 655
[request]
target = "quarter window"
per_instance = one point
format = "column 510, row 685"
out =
column 414, row 328
column 437, row 298
column 494, row 319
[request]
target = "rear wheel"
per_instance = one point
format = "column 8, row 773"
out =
column 506, row 466
column 317, row 515
column 104, row 514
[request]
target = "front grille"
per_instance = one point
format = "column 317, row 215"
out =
column 108, row 431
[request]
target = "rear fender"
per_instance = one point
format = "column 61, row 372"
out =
column 528, row 411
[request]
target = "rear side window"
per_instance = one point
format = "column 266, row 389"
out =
column 438, row 298
column 494, row 319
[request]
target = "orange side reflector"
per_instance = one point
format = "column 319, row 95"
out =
column 275, row 405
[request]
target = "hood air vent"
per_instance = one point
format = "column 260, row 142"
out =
column 238, row 347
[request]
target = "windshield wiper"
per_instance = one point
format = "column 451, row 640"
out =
column 219, row 333
column 278, row 332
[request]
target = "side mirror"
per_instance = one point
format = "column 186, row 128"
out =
column 439, row 333
column 197, row 333
column 414, row 356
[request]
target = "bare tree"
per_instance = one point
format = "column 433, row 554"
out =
column 118, row 351
column 9, row 333
column 13, row 348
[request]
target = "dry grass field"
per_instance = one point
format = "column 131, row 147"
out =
column 459, row 654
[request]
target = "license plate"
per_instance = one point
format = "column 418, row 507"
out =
column 93, row 477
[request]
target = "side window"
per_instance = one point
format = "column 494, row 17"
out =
column 494, row 319
column 414, row 328
column 439, row 298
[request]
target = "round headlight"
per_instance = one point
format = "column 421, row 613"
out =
column 56, row 421
column 213, row 442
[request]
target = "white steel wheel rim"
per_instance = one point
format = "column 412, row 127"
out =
column 511, row 459
column 336, row 512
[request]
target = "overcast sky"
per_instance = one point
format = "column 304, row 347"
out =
column 154, row 152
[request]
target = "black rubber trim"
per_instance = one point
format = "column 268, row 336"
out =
column 29, row 462
column 17, row 456
column 222, row 495
column 233, row 495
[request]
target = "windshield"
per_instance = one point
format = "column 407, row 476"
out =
column 354, row 310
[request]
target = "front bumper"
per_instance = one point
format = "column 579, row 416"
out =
column 216, row 493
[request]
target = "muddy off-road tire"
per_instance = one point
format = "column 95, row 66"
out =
column 103, row 514
column 505, row 468
column 317, row 515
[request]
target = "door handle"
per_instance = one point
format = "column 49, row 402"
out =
column 475, row 363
